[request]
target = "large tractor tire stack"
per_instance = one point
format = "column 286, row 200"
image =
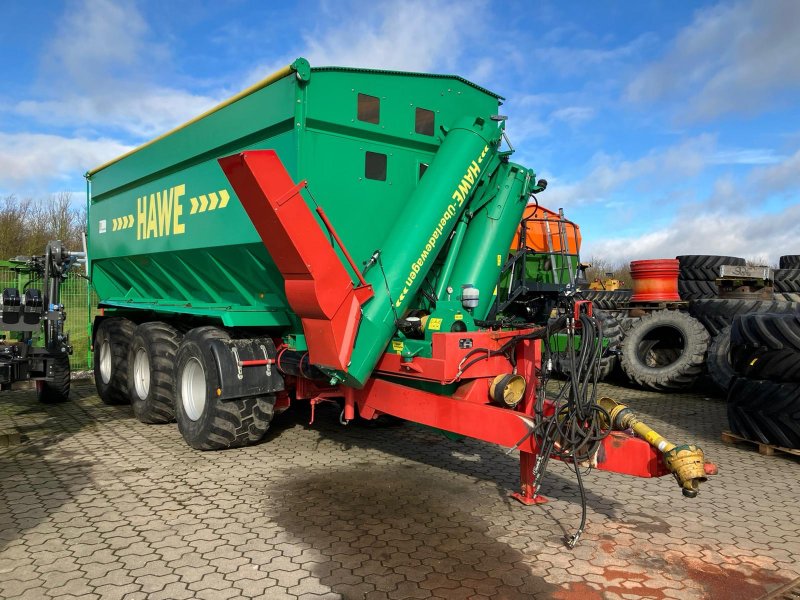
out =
column 699, row 272
column 717, row 314
column 764, row 395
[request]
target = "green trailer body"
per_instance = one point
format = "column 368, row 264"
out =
column 398, row 161
column 167, row 233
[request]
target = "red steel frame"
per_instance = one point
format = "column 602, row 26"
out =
column 469, row 411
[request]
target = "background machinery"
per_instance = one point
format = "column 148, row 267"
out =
column 36, row 347
column 338, row 234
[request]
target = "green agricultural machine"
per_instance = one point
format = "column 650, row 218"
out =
column 35, row 346
column 333, row 234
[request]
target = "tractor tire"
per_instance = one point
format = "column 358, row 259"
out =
column 716, row 314
column 789, row 261
column 787, row 296
column 767, row 346
column 718, row 360
column 57, row 390
column 612, row 331
column 205, row 422
column 151, row 372
column 704, row 267
column 786, row 280
column 606, row 299
column 765, row 411
column 691, row 289
column 665, row 350
column 112, row 342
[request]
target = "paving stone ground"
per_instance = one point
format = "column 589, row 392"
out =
column 94, row 504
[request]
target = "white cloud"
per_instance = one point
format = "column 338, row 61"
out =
column 728, row 233
column 574, row 115
column 101, row 72
column 781, row 177
column 729, row 222
column 732, row 58
column 746, row 156
column 143, row 112
column 408, row 36
column 568, row 59
column 30, row 162
column 687, row 158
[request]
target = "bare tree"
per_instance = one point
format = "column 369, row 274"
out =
column 26, row 225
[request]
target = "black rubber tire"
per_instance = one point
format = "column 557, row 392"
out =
column 690, row 289
column 612, row 331
column 789, row 261
column 787, row 280
column 765, row 411
column 114, row 336
column 767, row 346
column 665, row 350
column 606, row 299
column 220, row 423
column 158, row 344
column 704, row 267
column 718, row 360
column 787, row 296
column 716, row 314
column 57, row 390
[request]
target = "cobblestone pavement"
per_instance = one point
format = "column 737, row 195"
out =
column 94, row 504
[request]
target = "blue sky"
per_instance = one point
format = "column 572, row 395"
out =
column 663, row 128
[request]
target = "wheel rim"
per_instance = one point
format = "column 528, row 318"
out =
column 193, row 389
column 105, row 361
column 141, row 373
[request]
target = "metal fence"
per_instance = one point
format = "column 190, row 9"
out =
column 80, row 304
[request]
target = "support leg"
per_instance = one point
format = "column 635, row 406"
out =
column 526, row 495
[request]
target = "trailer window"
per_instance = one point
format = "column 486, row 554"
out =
column 423, row 122
column 375, row 166
column 369, row 108
column 422, row 168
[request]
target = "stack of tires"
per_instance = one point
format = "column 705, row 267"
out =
column 696, row 284
column 698, row 274
column 764, row 395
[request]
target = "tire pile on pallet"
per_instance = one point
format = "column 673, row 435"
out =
column 670, row 349
column 696, row 283
column 699, row 272
column 764, row 395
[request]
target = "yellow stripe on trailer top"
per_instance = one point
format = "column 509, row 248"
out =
column 280, row 74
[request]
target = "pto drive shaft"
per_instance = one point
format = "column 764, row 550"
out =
column 685, row 462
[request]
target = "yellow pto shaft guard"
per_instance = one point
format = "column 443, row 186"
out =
column 685, row 462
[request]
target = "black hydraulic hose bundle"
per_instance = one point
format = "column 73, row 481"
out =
column 574, row 431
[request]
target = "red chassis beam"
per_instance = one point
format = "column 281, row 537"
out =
column 469, row 412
